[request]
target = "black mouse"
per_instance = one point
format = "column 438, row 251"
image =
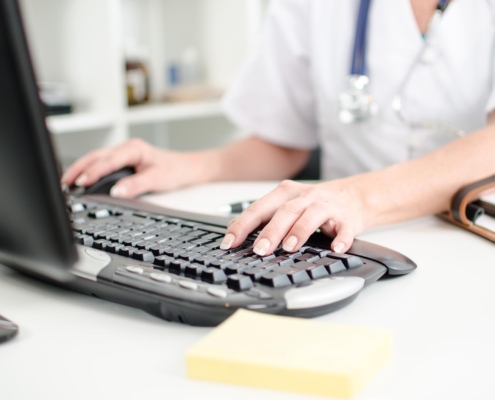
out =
column 104, row 185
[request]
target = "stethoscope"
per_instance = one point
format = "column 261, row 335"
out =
column 356, row 104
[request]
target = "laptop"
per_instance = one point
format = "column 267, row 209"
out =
column 166, row 262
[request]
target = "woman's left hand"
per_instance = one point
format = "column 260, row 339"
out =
column 293, row 211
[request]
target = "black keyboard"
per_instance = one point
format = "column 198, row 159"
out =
column 180, row 260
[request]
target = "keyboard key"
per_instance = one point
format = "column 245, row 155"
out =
column 163, row 261
column 131, row 241
column 258, row 293
column 95, row 232
column 90, row 205
column 143, row 255
column 349, row 260
column 127, row 251
column 205, row 259
column 81, row 228
column 214, row 245
column 110, row 236
column 113, row 247
column 187, row 246
column 216, row 253
column 201, row 249
column 220, row 264
column 194, row 270
column 99, row 213
column 319, row 252
column 212, row 236
column 85, row 240
column 146, row 245
column 135, row 269
column 275, row 279
column 76, row 207
column 250, row 261
column 308, row 257
column 239, row 282
column 314, row 271
column 257, row 272
column 173, row 252
column 295, row 275
column 189, row 256
column 122, row 239
column 213, row 275
column 147, row 236
column 161, row 277
column 101, row 244
column 290, row 255
column 189, row 285
column 331, row 264
column 239, row 254
column 237, row 269
column 217, row 292
column 201, row 241
column 177, row 266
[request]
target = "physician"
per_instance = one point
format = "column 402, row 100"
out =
column 399, row 95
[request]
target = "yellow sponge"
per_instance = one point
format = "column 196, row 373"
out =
column 290, row 354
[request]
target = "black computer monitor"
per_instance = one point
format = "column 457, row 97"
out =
column 35, row 234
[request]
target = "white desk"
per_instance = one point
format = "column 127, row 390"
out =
column 72, row 346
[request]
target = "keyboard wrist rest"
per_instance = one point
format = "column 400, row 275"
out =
column 395, row 262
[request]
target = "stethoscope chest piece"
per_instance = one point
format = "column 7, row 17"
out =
column 355, row 103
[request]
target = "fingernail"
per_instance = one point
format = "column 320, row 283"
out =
column 81, row 180
column 262, row 247
column 339, row 247
column 231, row 221
column 118, row 191
column 227, row 242
column 290, row 244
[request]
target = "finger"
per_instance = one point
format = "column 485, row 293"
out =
column 74, row 171
column 120, row 157
column 313, row 217
column 135, row 185
column 257, row 214
column 343, row 240
column 280, row 224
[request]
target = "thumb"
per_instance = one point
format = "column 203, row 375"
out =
column 343, row 240
column 134, row 185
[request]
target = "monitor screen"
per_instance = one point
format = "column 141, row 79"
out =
column 35, row 234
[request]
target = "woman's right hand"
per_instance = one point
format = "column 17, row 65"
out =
column 156, row 169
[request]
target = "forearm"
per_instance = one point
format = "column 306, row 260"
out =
column 426, row 185
column 249, row 159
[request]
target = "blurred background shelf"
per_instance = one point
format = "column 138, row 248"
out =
column 79, row 122
column 86, row 45
column 153, row 113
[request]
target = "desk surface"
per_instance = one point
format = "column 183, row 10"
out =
column 72, row 346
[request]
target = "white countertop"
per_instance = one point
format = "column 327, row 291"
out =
column 72, row 346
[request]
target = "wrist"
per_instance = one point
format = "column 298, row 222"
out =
column 369, row 201
column 204, row 166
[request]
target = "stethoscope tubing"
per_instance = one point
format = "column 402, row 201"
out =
column 358, row 66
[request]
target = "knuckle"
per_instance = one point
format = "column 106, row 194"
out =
column 253, row 209
column 272, row 231
column 291, row 207
column 136, row 144
column 239, row 225
column 286, row 184
column 303, row 225
column 320, row 206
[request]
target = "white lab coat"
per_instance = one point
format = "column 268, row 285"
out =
column 288, row 91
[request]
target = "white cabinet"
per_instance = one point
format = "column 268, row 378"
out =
column 83, row 44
